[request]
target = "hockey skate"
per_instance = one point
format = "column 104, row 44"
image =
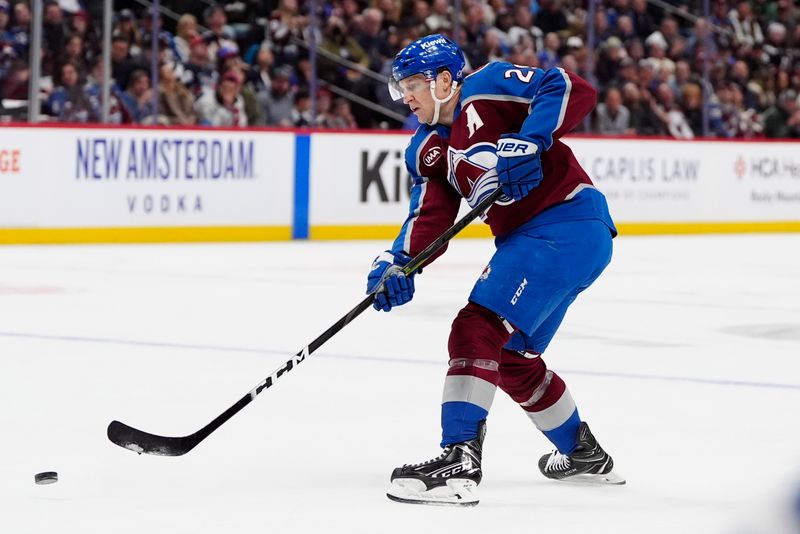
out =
column 589, row 463
column 451, row 478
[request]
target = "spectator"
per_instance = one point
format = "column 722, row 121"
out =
column 524, row 56
column 775, row 44
column 341, row 116
column 4, row 19
column 682, row 76
column 301, row 112
column 127, row 29
column 186, row 32
column 338, row 42
column 80, row 24
column 224, row 106
column 474, row 30
column 625, row 30
column 19, row 35
column 643, row 120
column 657, row 47
column 176, row 102
column 415, row 18
column 669, row 31
column 670, row 114
column 611, row 115
column 692, row 106
column 627, row 71
column 146, row 26
column 262, row 77
column 278, row 101
column 752, row 50
column 503, row 24
column 643, row 21
column 285, row 25
column 747, row 30
column 392, row 13
column 219, row 34
column 73, row 52
column 747, row 119
column 569, row 63
column 440, row 19
column 53, row 34
column 232, row 63
column 548, row 57
column 493, row 47
column 198, row 75
column 324, row 103
column 69, row 102
column 122, row 62
column 601, row 27
column 137, row 100
column 577, row 51
column 551, row 16
column 371, row 39
column 94, row 90
column 608, row 62
column 523, row 32
column 783, row 119
column 740, row 75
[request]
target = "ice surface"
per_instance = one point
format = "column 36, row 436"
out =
column 684, row 359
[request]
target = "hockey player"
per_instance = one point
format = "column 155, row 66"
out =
column 499, row 127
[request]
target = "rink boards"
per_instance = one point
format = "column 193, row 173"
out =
column 82, row 185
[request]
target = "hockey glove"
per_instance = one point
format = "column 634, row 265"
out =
column 519, row 165
column 393, row 287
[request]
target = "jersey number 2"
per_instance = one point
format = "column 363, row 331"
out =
column 525, row 77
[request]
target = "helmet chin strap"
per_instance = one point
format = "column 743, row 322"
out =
column 437, row 102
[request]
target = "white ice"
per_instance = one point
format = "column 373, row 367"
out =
column 683, row 357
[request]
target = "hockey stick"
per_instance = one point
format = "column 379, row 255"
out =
column 144, row 442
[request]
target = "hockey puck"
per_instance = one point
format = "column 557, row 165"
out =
column 47, row 477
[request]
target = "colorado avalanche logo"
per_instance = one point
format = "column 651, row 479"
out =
column 485, row 274
column 473, row 172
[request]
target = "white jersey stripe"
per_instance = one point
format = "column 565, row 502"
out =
column 564, row 100
column 578, row 189
column 501, row 98
column 409, row 229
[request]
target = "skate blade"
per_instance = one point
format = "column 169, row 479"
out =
column 457, row 492
column 608, row 479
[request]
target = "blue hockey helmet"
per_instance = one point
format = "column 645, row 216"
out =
column 426, row 56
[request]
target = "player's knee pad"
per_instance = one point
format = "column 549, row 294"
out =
column 477, row 334
column 522, row 377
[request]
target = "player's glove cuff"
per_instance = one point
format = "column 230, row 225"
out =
column 517, row 145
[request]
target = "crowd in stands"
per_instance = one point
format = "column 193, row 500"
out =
column 246, row 62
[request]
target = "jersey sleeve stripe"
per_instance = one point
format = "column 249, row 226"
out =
column 565, row 99
column 420, row 200
column 501, row 98
column 418, row 190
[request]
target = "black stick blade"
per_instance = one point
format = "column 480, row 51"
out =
column 144, row 442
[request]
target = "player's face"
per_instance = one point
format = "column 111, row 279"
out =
column 416, row 92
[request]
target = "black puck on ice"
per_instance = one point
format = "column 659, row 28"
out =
column 48, row 477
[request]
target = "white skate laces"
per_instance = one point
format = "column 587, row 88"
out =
column 557, row 462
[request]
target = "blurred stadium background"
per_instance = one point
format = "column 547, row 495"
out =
column 680, row 68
